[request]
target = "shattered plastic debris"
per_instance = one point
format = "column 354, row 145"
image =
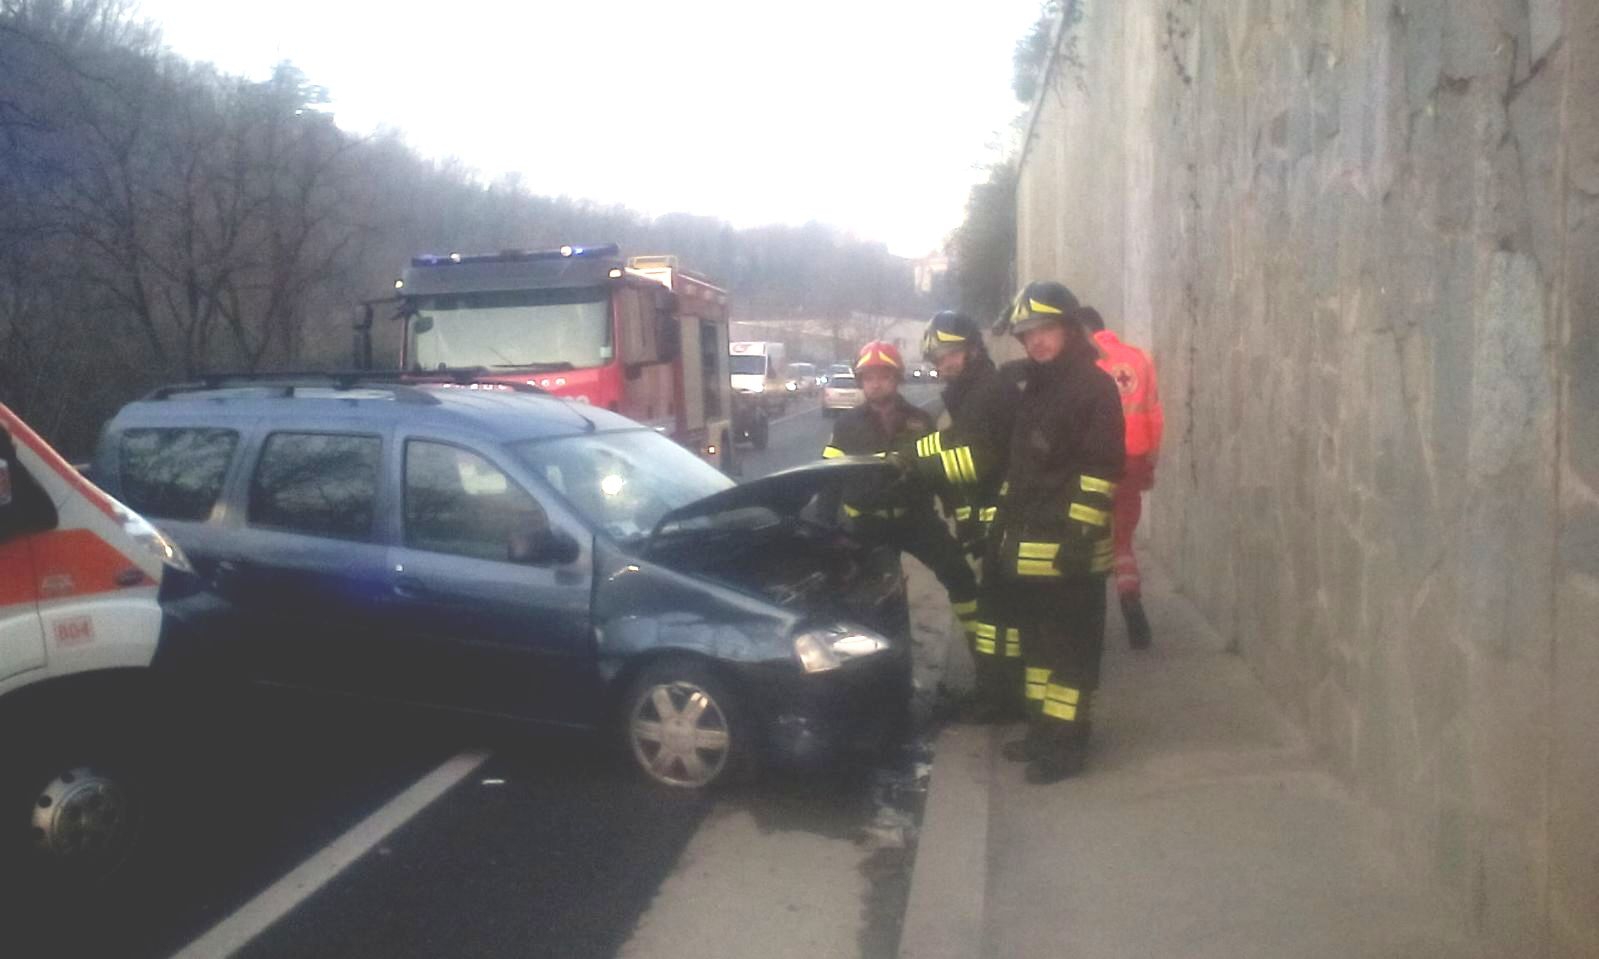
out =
column 889, row 829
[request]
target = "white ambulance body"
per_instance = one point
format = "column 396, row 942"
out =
column 79, row 626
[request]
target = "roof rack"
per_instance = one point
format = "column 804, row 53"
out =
column 401, row 383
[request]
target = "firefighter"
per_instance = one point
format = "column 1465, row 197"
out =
column 1134, row 374
column 1050, row 549
column 899, row 514
column 966, row 463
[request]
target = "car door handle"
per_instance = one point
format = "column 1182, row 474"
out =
column 227, row 571
column 409, row 587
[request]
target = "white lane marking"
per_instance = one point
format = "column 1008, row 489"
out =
column 275, row 902
column 790, row 416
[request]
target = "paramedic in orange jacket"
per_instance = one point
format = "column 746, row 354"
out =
column 1135, row 379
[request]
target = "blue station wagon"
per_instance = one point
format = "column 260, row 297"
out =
column 507, row 553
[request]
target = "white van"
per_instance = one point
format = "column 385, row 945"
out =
column 757, row 368
column 80, row 622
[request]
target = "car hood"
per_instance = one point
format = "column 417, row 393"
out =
column 785, row 492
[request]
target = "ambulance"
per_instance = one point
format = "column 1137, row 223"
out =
column 80, row 622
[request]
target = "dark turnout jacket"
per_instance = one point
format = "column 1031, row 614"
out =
column 1066, row 454
column 966, row 461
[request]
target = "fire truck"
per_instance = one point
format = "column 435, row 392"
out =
column 642, row 336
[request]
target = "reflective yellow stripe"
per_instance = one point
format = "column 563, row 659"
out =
column 1094, row 484
column 1038, row 307
column 1059, row 710
column 1089, row 515
column 963, row 610
column 988, row 514
column 831, row 452
column 1013, row 643
column 985, row 646
column 963, row 456
column 1036, row 681
column 949, row 337
column 963, row 513
column 952, row 469
column 969, row 627
column 1004, row 488
column 1037, row 550
column 1036, row 567
column 1062, row 694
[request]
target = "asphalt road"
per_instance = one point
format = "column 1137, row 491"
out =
column 325, row 831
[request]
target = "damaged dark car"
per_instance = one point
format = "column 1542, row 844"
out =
column 499, row 553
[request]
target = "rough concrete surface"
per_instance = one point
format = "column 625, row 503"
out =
column 1361, row 239
column 1202, row 828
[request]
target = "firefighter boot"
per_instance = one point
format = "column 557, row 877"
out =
column 1029, row 748
column 1062, row 754
column 994, row 702
column 1137, row 623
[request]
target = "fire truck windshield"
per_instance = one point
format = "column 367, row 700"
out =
column 516, row 328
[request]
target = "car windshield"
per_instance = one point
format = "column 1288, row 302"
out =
column 568, row 327
column 748, row 364
column 622, row 482
column 841, row 379
column 839, row 369
column 801, row 369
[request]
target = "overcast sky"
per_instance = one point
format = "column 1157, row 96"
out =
column 867, row 114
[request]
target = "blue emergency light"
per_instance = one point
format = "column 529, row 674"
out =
column 519, row 256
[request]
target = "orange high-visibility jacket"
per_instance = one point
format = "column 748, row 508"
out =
column 1134, row 374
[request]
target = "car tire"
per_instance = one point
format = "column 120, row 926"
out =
column 78, row 803
column 761, row 433
column 730, row 461
column 684, row 727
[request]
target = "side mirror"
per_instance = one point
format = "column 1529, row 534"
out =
column 543, row 546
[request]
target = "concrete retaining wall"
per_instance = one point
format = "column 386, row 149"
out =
column 1362, row 240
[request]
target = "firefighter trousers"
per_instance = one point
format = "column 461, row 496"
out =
column 996, row 644
column 1061, row 626
column 926, row 537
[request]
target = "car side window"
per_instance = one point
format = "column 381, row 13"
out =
column 175, row 473
column 324, row 484
column 457, row 502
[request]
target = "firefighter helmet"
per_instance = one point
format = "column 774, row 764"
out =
column 1038, row 303
column 880, row 353
column 947, row 331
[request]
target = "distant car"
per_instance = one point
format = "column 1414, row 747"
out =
column 802, row 379
column 842, row 392
column 494, row 551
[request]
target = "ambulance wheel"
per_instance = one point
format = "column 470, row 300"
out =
column 75, row 802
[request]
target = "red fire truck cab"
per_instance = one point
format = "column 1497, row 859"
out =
column 641, row 337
